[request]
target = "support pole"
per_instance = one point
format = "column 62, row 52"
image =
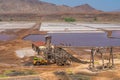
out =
column 109, row 63
column 111, row 52
column 93, row 51
column 102, row 60
column 91, row 58
column 109, row 60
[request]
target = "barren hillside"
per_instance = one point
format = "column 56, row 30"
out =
column 36, row 6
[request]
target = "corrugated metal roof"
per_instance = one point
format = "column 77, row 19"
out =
column 39, row 43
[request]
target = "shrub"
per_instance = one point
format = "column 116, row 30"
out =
column 0, row 19
column 18, row 73
column 80, row 77
column 11, row 19
column 70, row 19
column 95, row 18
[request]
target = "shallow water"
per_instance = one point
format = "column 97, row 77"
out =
column 116, row 34
column 80, row 39
column 4, row 37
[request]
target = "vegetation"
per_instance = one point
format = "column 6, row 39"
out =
column 96, row 62
column 0, row 19
column 80, row 77
column 8, row 73
column 95, row 18
column 11, row 19
column 69, row 71
column 2, row 76
column 69, row 19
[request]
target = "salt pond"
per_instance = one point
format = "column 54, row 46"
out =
column 4, row 37
column 80, row 39
column 4, row 26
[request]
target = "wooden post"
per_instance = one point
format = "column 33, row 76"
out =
column 102, row 60
column 93, row 52
column 109, row 34
column 109, row 63
column 109, row 59
column 91, row 58
column 111, row 52
column 48, row 41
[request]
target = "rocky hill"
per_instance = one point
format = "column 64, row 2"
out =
column 36, row 6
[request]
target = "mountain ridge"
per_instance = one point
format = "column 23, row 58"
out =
column 36, row 6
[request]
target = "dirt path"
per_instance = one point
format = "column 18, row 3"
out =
column 29, row 31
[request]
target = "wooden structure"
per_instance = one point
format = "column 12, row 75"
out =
column 102, row 51
column 109, row 34
column 51, row 53
column 61, row 56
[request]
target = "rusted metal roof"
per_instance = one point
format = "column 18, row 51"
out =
column 39, row 43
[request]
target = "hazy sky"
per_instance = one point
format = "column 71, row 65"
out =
column 105, row 5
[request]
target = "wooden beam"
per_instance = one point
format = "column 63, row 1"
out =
column 109, row 34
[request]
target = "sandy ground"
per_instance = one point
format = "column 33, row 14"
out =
column 9, row 60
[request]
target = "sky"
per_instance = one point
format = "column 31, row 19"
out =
column 105, row 5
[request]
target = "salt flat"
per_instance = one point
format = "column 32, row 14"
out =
column 52, row 27
column 16, row 25
column 103, row 26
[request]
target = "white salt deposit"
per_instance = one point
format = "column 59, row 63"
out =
column 16, row 25
column 76, row 27
column 25, row 52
